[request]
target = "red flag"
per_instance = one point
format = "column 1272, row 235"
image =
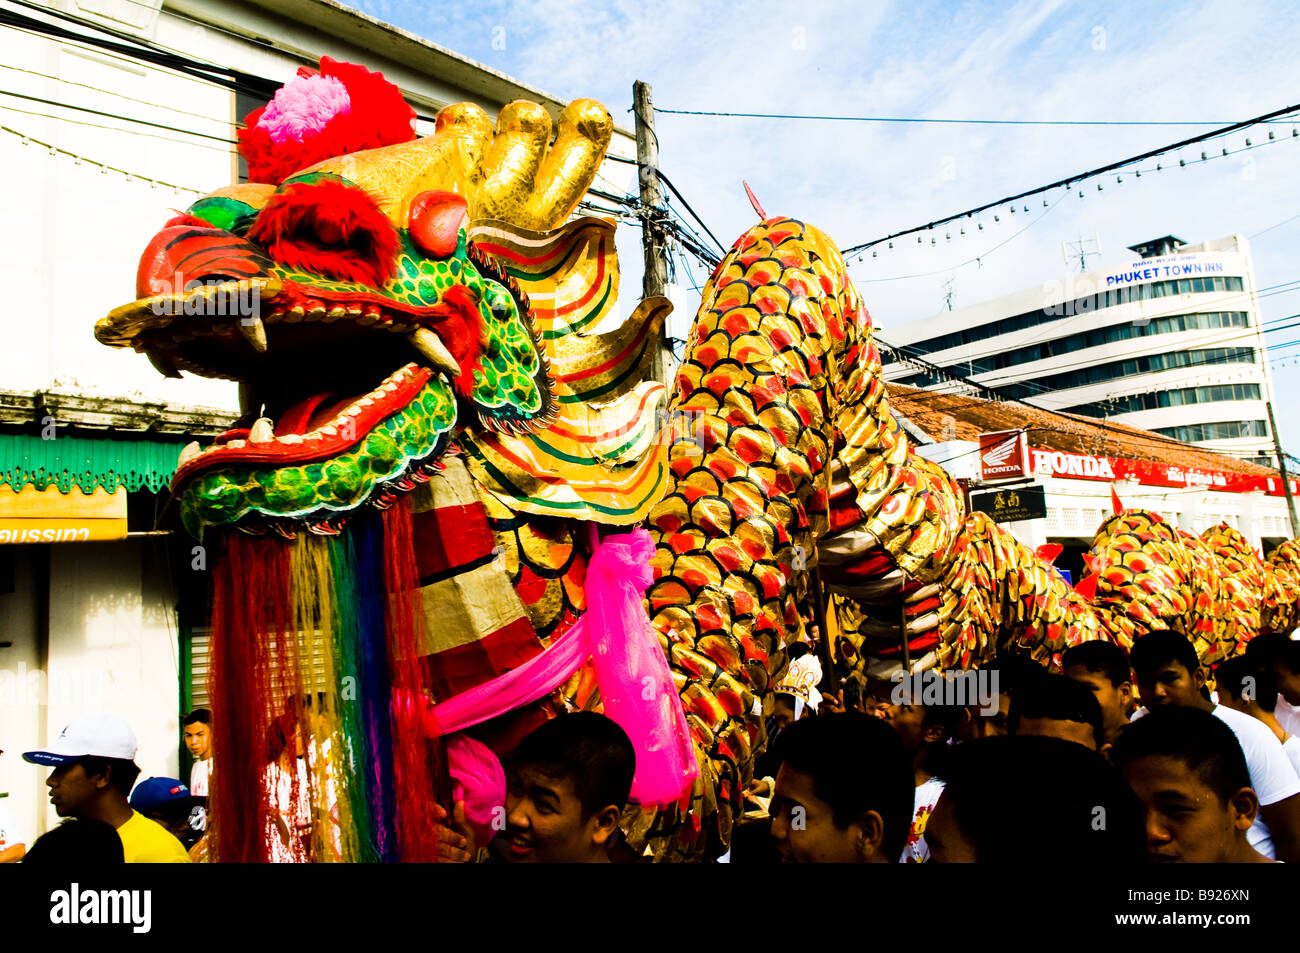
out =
column 1114, row 501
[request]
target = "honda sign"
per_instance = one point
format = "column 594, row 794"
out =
column 1004, row 455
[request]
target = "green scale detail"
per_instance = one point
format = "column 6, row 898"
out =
column 335, row 485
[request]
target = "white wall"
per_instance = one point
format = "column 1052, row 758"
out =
column 73, row 235
column 20, row 714
column 114, row 646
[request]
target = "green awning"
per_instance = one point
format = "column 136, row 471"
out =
column 87, row 462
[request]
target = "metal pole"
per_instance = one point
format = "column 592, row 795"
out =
column 1281, row 466
column 653, row 239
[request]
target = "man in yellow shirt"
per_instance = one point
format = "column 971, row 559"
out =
column 94, row 768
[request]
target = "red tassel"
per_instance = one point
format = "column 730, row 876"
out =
column 251, row 602
column 414, row 756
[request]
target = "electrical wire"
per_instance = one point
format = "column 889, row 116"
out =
column 129, row 132
column 100, row 112
column 131, row 99
column 672, row 188
column 1053, row 325
column 1081, row 177
column 103, row 166
column 918, row 120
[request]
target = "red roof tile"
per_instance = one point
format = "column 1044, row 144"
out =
column 956, row 417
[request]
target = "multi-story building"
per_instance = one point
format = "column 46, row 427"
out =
column 1170, row 342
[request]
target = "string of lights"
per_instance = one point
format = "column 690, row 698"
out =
column 102, row 166
column 923, row 120
column 1118, row 166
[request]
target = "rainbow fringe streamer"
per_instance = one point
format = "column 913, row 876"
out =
column 310, row 638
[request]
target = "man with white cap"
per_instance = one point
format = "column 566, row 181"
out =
column 94, row 768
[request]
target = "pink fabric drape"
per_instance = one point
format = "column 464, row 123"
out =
column 636, row 686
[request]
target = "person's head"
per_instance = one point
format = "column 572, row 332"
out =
column 567, row 784
column 94, row 766
column 1007, row 673
column 1103, row 667
column 1054, row 706
column 1008, row 798
column 1280, row 654
column 83, row 787
column 75, row 844
column 198, row 734
column 843, row 792
column 783, row 710
column 1188, row 770
column 1245, row 687
column 1167, row 669
column 919, row 726
column 169, row 802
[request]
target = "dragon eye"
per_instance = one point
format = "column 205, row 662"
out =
column 435, row 219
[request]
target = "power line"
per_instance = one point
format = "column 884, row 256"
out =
column 103, row 166
column 99, row 112
column 129, row 132
column 1083, row 176
column 131, row 99
column 1054, row 324
column 1236, row 335
column 672, row 188
column 910, row 119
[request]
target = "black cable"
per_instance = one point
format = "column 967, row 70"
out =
column 225, row 77
column 672, row 188
column 1101, row 170
column 977, row 122
column 97, row 112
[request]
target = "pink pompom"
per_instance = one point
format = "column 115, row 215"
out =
column 303, row 107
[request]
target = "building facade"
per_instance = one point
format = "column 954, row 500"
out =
column 1170, row 342
column 1078, row 461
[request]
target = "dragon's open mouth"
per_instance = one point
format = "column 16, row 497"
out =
column 316, row 374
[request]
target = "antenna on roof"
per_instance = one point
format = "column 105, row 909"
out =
column 1078, row 251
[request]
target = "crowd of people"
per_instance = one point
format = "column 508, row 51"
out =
column 1123, row 757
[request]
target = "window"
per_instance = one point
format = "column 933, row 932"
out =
column 1225, row 430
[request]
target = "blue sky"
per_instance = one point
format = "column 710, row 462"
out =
column 1135, row 62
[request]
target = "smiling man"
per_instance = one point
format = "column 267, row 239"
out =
column 94, row 768
column 1169, row 674
column 567, row 784
column 843, row 793
column 1190, row 774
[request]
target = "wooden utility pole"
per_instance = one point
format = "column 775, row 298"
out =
column 1281, row 466
column 654, row 242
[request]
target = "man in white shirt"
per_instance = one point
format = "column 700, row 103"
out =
column 1253, row 691
column 198, row 739
column 1280, row 653
column 1169, row 673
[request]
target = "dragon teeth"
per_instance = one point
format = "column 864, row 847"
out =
column 434, row 351
column 263, row 431
column 188, row 453
column 254, row 331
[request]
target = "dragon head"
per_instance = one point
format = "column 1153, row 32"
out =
column 371, row 302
